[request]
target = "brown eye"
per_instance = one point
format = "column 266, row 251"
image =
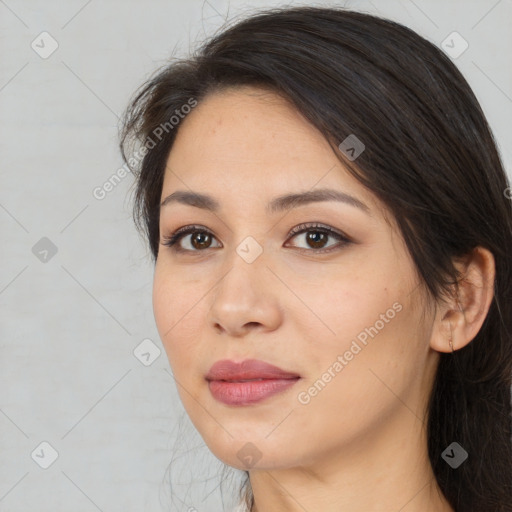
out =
column 201, row 240
column 317, row 236
column 316, row 239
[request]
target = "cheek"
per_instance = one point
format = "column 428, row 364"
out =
column 178, row 311
column 351, row 385
column 365, row 316
column 339, row 301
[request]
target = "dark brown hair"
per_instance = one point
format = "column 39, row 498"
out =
column 429, row 155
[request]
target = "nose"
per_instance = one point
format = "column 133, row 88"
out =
column 245, row 299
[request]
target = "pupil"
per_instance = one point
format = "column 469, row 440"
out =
column 315, row 239
column 199, row 238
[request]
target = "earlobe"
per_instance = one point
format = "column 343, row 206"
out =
column 458, row 321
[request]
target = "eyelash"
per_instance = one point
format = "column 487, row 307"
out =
column 173, row 239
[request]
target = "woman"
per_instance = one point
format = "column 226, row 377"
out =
column 332, row 236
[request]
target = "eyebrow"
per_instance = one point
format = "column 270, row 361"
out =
column 278, row 204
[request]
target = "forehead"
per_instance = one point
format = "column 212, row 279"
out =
column 247, row 123
column 252, row 142
column 235, row 132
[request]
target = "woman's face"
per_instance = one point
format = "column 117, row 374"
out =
column 348, row 321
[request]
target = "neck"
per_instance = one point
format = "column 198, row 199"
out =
column 387, row 469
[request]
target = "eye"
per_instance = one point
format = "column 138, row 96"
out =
column 316, row 235
column 201, row 238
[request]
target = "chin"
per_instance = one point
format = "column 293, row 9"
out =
column 244, row 454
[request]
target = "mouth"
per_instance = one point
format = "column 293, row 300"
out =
column 247, row 370
column 248, row 391
column 247, row 382
column 242, row 380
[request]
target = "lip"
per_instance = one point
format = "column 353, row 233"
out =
column 225, row 376
column 247, row 369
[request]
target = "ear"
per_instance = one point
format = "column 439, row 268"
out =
column 460, row 317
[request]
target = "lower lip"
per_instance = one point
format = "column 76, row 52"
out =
column 245, row 393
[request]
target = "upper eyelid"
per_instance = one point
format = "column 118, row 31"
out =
column 307, row 226
column 184, row 231
column 295, row 230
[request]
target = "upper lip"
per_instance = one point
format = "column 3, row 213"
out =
column 245, row 370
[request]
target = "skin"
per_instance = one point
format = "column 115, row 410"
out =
column 360, row 443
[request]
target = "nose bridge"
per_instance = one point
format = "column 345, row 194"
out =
column 243, row 295
column 246, row 266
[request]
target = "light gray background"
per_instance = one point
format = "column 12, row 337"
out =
column 69, row 326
